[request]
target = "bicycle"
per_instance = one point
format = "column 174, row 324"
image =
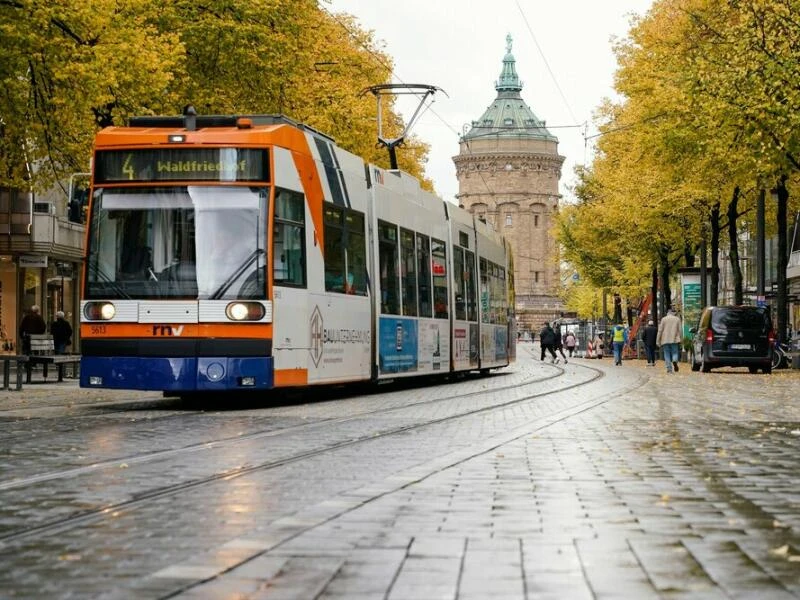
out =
column 781, row 355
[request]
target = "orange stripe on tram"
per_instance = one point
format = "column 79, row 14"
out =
column 286, row 377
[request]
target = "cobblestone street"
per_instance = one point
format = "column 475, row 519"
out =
column 540, row 482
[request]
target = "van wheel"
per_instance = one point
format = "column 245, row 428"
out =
column 768, row 370
column 752, row 369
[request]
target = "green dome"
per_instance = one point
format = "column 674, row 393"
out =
column 508, row 116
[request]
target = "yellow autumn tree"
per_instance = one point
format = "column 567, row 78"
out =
column 66, row 68
column 69, row 68
column 671, row 154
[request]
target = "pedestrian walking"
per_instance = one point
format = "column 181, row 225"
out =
column 570, row 342
column 62, row 333
column 649, row 334
column 619, row 337
column 547, row 340
column 559, row 346
column 668, row 339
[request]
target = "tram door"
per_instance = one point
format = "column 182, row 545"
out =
column 291, row 235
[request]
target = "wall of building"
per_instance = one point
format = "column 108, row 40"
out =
column 40, row 262
column 513, row 184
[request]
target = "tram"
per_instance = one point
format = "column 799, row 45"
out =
column 251, row 252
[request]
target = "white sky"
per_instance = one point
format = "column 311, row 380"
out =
column 458, row 45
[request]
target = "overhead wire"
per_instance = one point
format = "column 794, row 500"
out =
column 546, row 64
column 453, row 129
column 380, row 61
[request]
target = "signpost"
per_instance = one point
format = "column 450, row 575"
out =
column 692, row 304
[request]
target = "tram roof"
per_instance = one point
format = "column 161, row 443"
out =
column 209, row 121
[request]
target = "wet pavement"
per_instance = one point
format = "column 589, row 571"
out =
column 584, row 480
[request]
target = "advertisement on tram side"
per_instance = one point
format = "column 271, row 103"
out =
column 398, row 345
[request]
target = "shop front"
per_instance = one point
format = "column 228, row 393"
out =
column 40, row 263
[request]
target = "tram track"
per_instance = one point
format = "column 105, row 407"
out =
column 143, row 498
column 237, row 439
column 157, row 405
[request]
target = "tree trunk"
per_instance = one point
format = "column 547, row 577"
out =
column 654, row 293
column 713, row 299
column 663, row 256
column 689, row 253
column 733, row 254
column 783, row 259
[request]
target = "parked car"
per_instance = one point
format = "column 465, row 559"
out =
column 733, row 336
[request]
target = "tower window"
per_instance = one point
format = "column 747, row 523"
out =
column 535, row 220
column 536, row 276
column 509, row 221
column 508, row 122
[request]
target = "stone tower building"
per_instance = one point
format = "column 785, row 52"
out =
column 508, row 169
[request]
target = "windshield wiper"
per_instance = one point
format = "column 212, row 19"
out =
column 236, row 274
column 102, row 275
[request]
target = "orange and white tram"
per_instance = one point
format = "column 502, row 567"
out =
column 233, row 252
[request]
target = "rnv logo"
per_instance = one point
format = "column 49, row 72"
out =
column 165, row 330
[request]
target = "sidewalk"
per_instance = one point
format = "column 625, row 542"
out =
column 43, row 393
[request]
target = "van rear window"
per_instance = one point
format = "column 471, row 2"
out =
column 752, row 318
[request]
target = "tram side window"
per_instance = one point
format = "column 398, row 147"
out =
column 459, row 283
column 408, row 272
column 334, row 249
column 388, row 264
column 486, row 315
column 439, row 262
column 288, row 244
column 424, row 275
column 471, row 286
column 355, row 253
column 345, row 251
column 498, row 295
column 510, row 297
column 494, row 304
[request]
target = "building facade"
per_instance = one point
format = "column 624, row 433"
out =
column 41, row 247
column 508, row 170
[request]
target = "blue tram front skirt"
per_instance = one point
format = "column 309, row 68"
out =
column 194, row 374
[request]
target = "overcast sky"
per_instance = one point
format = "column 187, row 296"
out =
column 563, row 52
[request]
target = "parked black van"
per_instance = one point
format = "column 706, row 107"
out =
column 733, row 336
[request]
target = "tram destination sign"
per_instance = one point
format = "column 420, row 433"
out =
column 181, row 164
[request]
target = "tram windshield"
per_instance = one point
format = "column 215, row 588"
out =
column 206, row 242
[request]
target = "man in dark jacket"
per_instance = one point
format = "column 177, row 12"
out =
column 32, row 323
column 547, row 339
column 62, row 333
column 649, row 339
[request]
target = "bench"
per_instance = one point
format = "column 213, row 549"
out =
column 43, row 353
column 41, row 343
column 20, row 360
column 54, row 359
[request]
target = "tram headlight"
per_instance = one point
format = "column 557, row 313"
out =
column 99, row 311
column 245, row 311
